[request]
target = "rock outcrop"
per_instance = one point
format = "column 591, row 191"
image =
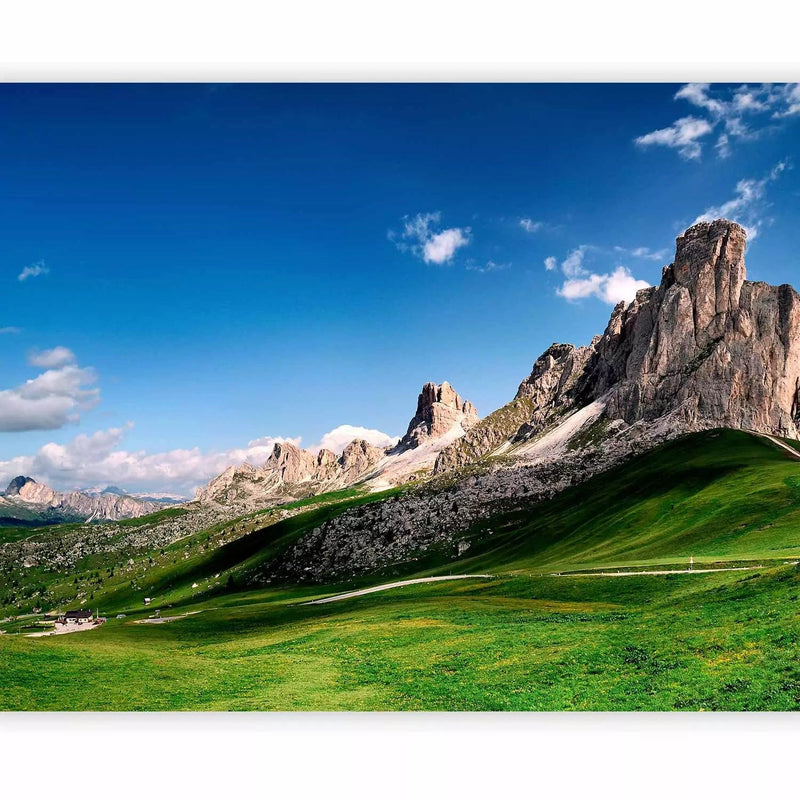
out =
column 27, row 500
column 291, row 472
column 705, row 348
column 706, row 345
column 439, row 409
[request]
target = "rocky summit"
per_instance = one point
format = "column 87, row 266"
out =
column 439, row 409
column 704, row 348
column 291, row 472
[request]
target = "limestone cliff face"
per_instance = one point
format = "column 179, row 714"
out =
column 358, row 458
column 704, row 348
column 439, row 409
column 705, row 345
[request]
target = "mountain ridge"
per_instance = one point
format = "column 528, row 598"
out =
column 290, row 472
column 29, row 500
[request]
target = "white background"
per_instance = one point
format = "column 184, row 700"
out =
column 398, row 755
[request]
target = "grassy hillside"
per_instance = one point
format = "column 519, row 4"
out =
column 528, row 638
column 714, row 495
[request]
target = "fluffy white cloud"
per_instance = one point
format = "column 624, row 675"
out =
column 99, row 459
column 612, row 288
column 337, row 439
column 441, row 247
column 682, row 136
column 738, row 113
column 530, row 226
column 747, row 206
column 33, row 271
column 49, row 359
column 50, row 400
column 420, row 237
column 579, row 283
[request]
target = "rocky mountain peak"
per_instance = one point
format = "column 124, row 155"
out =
column 439, row 409
column 290, row 463
column 704, row 348
column 17, row 484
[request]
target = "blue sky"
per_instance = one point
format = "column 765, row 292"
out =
column 227, row 264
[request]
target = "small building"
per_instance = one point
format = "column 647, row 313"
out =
column 80, row 617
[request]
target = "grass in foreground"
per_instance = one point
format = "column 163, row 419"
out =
column 682, row 642
column 525, row 640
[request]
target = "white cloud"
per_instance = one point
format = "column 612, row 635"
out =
column 738, row 113
column 98, row 459
column 697, row 95
column 10, row 329
column 32, row 271
column 441, row 247
column 619, row 286
column 747, row 206
column 48, row 359
column 420, row 237
column 644, row 252
column 530, row 226
column 580, row 283
column 337, row 439
column 682, row 136
column 572, row 265
column 51, row 400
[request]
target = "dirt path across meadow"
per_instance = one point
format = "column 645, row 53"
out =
column 653, row 572
column 383, row 587
column 159, row 620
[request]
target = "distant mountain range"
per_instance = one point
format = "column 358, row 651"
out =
column 706, row 348
column 156, row 497
column 26, row 502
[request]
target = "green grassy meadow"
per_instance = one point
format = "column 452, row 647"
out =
column 529, row 638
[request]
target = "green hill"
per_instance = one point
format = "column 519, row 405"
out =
column 534, row 636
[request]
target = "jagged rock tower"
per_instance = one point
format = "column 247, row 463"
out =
column 705, row 348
